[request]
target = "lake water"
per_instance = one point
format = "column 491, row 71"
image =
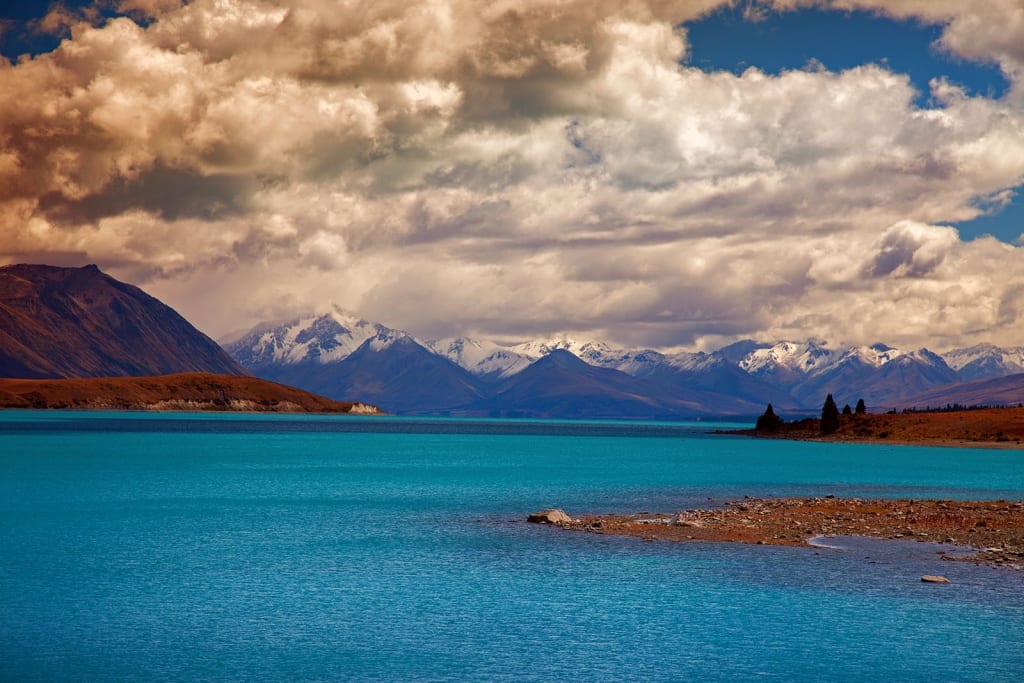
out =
column 214, row 547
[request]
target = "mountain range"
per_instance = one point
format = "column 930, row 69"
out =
column 339, row 354
column 80, row 323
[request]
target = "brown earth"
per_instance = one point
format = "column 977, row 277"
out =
column 994, row 528
column 987, row 428
column 187, row 391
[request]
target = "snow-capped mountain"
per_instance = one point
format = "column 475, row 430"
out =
column 325, row 338
column 482, row 358
column 599, row 354
column 879, row 374
column 985, row 361
column 788, row 358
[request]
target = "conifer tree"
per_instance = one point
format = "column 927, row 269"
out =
column 769, row 422
column 829, row 416
column 847, row 410
column 861, row 408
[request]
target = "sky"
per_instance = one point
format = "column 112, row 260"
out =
column 650, row 173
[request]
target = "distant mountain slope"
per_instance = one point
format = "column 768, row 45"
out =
column 1008, row 391
column 724, row 388
column 882, row 376
column 78, row 322
column 187, row 391
column 561, row 385
column 397, row 374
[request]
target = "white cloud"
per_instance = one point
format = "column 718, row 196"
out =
column 524, row 168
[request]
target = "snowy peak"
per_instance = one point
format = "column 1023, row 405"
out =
column 630, row 361
column 325, row 338
column 793, row 357
column 814, row 357
column 986, row 361
column 695, row 362
column 482, row 358
column 878, row 355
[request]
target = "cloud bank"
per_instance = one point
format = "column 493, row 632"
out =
column 517, row 169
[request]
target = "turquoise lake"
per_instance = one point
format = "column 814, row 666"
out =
column 179, row 547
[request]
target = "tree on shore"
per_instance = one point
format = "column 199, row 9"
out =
column 769, row 421
column 829, row 416
column 847, row 410
column 861, row 408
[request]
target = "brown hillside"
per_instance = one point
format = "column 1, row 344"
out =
column 1000, row 391
column 188, row 391
column 79, row 322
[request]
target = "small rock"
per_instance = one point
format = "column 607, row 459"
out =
column 550, row 516
column 928, row 578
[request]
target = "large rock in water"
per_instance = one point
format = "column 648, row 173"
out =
column 928, row 578
column 549, row 516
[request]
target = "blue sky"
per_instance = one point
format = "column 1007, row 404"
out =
column 594, row 168
column 839, row 40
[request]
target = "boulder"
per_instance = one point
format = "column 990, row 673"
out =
column 549, row 516
column 928, row 578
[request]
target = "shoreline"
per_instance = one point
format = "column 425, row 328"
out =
column 936, row 442
column 994, row 530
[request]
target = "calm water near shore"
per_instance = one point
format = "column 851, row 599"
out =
column 236, row 547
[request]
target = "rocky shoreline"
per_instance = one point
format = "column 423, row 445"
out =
column 994, row 529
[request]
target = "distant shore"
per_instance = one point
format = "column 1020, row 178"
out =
column 187, row 391
column 980, row 428
column 995, row 529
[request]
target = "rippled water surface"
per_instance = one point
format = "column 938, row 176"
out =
column 197, row 547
